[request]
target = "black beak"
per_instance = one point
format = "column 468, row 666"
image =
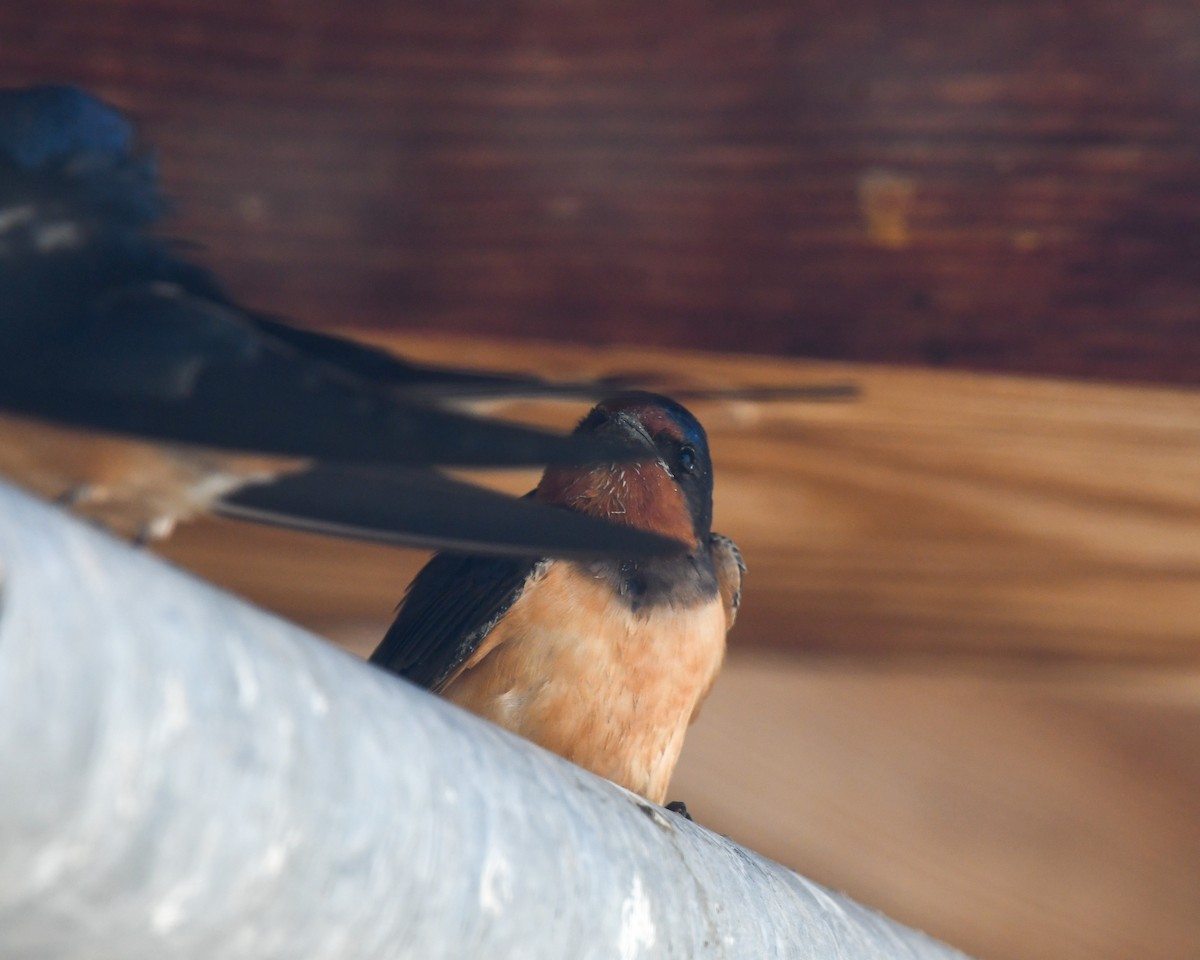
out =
column 625, row 429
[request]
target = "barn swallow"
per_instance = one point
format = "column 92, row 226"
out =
column 605, row 662
column 103, row 327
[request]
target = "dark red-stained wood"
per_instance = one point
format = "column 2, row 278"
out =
column 1000, row 185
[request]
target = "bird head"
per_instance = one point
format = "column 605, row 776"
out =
column 667, row 491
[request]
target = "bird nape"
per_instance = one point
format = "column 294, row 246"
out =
column 607, row 661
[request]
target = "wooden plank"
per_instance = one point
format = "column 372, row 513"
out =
column 1012, row 820
column 990, row 185
column 939, row 519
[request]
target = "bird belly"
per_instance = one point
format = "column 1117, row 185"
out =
column 573, row 668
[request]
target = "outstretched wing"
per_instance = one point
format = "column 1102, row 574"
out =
column 105, row 326
column 731, row 569
column 447, row 613
column 426, row 508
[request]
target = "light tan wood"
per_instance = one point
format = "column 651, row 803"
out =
column 940, row 514
column 942, row 521
column 1014, row 822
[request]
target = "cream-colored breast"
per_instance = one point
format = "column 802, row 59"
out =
column 577, row 671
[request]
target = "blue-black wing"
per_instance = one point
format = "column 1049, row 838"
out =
column 104, row 325
column 448, row 611
column 424, row 508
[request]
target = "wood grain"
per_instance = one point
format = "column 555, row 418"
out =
column 1011, row 821
column 939, row 518
column 998, row 185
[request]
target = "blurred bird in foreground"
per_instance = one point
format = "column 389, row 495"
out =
column 104, row 328
column 605, row 662
column 169, row 399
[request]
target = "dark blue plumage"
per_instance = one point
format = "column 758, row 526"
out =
column 104, row 325
column 42, row 128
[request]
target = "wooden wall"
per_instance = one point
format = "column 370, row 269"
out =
column 976, row 183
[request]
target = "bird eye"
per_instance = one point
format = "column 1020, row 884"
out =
column 687, row 459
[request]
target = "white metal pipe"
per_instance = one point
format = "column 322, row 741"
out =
column 185, row 776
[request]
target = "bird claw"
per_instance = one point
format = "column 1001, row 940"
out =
column 680, row 808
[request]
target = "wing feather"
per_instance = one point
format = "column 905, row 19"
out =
column 448, row 612
column 731, row 570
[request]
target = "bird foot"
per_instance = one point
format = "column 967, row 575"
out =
column 76, row 494
column 680, row 808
